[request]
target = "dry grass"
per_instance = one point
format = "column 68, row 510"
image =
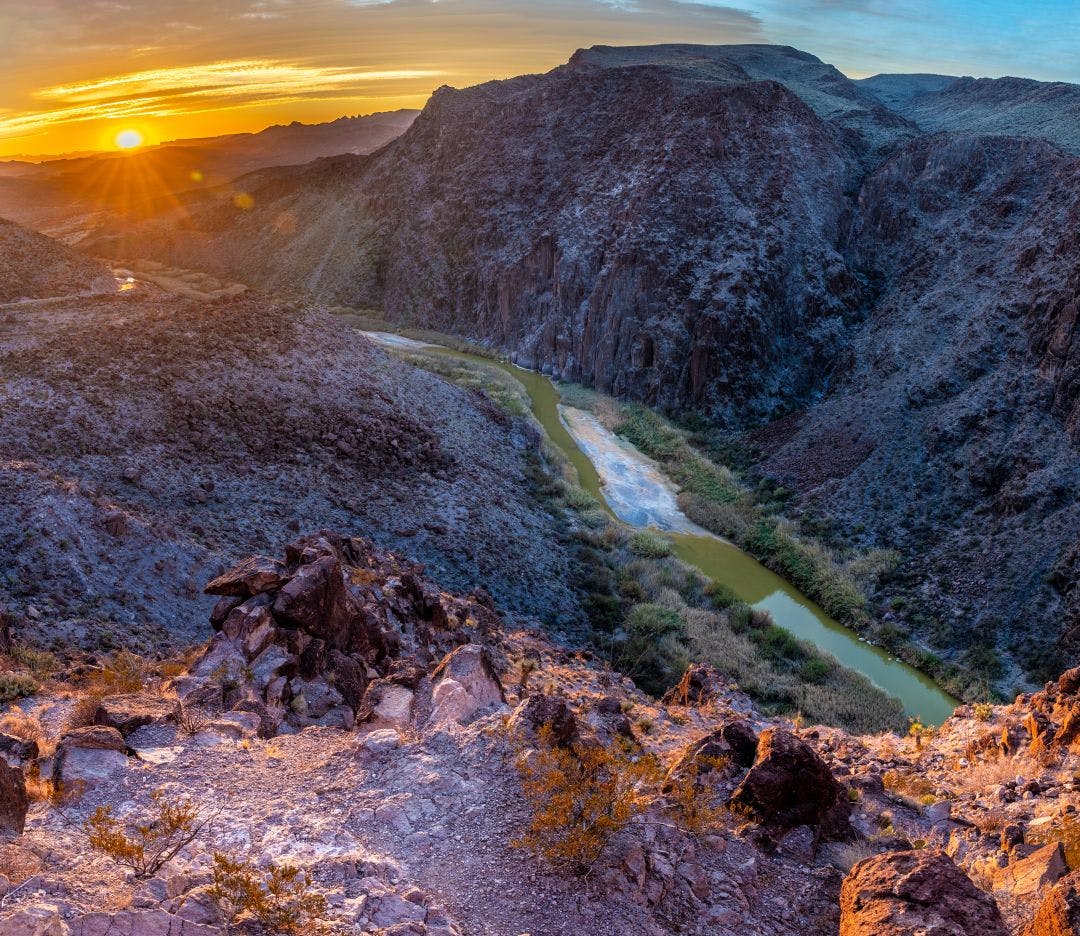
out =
column 983, row 774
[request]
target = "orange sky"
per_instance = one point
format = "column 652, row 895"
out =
column 77, row 72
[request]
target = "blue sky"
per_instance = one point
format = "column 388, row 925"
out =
column 1039, row 39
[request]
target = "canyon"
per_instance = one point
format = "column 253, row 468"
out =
column 394, row 511
column 883, row 316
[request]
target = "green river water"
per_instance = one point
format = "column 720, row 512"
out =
column 723, row 562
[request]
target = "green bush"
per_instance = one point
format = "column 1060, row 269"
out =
column 649, row 545
column 720, row 595
column 814, row 670
column 15, row 686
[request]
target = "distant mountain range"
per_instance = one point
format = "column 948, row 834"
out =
column 51, row 192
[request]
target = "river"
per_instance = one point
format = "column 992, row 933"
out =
column 633, row 488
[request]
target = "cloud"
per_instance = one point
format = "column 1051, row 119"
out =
column 166, row 92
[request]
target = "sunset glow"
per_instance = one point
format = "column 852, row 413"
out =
column 77, row 69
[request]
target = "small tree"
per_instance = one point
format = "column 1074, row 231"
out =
column 145, row 847
column 279, row 897
column 580, row 797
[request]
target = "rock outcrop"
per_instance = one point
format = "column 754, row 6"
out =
column 789, row 785
column 1059, row 912
column 13, row 800
column 341, row 630
column 914, row 893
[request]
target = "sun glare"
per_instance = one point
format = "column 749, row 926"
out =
column 129, row 139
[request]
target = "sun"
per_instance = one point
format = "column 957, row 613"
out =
column 129, row 139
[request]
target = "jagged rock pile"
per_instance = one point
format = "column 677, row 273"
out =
column 340, row 631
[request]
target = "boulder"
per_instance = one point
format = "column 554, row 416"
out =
column 1033, row 874
column 140, row 923
column 17, row 751
column 465, row 685
column 253, row 576
column 35, row 920
column 1059, row 912
column 539, row 712
column 250, row 625
column 387, row 705
column 13, row 801
column 733, row 743
column 129, row 713
column 912, row 893
column 789, row 786
column 88, row 756
column 316, row 601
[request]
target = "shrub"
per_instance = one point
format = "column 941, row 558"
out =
column 41, row 663
column 983, row 711
column 814, row 670
column 19, row 725
column 649, row 545
column 778, row 644
column 147, row 845
column 580, row 797
column 720, row 595
column 278, row 897
column 15, row 686
column 652, row 652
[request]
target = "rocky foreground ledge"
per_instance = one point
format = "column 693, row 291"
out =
column 351, row 720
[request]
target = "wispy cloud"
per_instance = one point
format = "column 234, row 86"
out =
column 164, row 92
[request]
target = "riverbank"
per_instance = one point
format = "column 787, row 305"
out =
column 780, row 669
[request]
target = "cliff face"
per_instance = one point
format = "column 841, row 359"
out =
column 685, row 257
column 960, row 391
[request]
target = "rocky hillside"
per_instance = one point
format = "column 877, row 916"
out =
column 953, row 420
column 36, row 267
column 429, row 771
column 686, row 257
column 146, row 437
column 1007, row 106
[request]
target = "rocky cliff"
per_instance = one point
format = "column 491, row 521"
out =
column 952, row 422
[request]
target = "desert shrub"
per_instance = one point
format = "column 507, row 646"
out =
column 720, row 595
column 814, row 670
column 983, row 711
column 20, row 725
column 778, row 644
column 145, row 846
column 649, row 545
column 278, row 897
column 652, row 652
column 579, row 798
column 123, row 672
column 15, row 686
column 41, row 663
column 694, row 807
